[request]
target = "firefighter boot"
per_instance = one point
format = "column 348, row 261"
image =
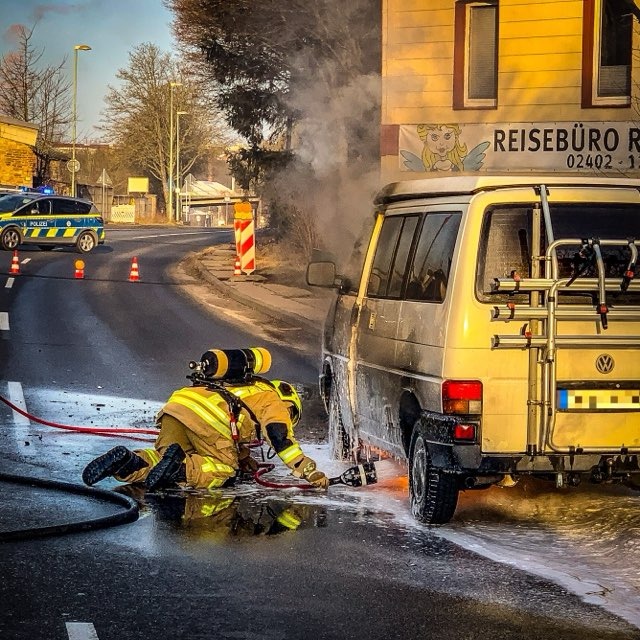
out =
column 169, row 471
column 118, row 460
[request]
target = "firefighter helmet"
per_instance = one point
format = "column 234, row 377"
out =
column 288, row 393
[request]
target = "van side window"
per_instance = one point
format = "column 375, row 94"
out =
column 399, row 269
column 505, row 247
column 429, row 273
column 390, row 262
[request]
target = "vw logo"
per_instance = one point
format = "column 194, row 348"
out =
column 605, row 363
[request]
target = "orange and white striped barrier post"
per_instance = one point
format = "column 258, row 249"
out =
column 15, row 264
column 79, row 265
column 245, row 236
column 134, row 274
column 236, row 267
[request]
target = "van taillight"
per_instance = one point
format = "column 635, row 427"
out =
column 462, row 397
column 464, row 433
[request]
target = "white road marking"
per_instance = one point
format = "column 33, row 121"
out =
column 4, row 321
column 16, row 396
column 81, row 631
column 166, row 235
column 9, row 283
column 25, row 261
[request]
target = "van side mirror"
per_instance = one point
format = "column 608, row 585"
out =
column 321, row 274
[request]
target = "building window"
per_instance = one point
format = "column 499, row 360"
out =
column 607, row 53
column 475, row 77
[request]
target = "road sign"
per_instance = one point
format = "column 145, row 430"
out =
column 73, row 166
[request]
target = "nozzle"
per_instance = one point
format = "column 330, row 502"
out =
column 359, row 476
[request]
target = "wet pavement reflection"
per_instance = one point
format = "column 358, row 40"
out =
column 219, row 515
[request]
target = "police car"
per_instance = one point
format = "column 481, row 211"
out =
column 49, row 221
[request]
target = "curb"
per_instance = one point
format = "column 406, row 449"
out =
column 194, row 261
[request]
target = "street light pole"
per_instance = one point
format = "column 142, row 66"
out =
column 178, row 177
column 172, row 85
column 74, row 118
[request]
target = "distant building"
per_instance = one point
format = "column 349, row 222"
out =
column 17, row 159
column 510, row 86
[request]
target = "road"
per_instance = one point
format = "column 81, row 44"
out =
column 243, row 563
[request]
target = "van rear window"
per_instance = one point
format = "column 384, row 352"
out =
column 505, row 245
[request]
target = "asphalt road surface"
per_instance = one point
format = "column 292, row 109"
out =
column 243, row 563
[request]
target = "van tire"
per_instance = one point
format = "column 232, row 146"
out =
column 10, row 238
column 339, row 440
column 433, row 493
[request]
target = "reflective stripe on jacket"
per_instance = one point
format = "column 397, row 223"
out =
column 204, row 410
column 209, row 408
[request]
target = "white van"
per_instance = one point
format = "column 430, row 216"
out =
column 494, row 333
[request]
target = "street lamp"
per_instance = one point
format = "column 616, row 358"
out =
column 74, row 163
column 178, row 177
column 172, row 85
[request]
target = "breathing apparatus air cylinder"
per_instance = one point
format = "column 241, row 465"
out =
column 234, row 364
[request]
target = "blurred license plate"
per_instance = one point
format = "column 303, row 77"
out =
column 599, row 399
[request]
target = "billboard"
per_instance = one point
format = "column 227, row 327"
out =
column 592, row 147
column 138, row 185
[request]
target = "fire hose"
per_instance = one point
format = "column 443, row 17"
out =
column 99, row 431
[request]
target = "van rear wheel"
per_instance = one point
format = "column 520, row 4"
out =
column 339, row 440
column 433, row 493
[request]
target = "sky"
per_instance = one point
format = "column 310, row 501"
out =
column 112, row 28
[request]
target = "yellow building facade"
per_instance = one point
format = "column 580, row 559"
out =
column 510, row 86
column 17, row 159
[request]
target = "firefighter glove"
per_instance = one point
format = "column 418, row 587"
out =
column 246, row 463
column 318, row 479
column 307, row 469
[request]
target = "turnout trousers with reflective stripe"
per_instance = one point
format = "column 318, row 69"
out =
column 209, row 463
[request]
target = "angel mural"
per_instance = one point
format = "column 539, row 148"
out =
column 443, row 150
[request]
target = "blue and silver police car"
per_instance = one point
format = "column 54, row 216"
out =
column 49, row 221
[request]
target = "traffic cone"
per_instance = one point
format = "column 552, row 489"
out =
column 15, row 264
column 134, row 276
column 79, row 264
column 236, row 268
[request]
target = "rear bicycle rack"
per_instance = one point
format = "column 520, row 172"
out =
column 540, row 332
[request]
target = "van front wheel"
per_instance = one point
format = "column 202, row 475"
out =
column 433, row 493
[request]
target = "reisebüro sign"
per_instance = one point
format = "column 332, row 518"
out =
column 601, row 147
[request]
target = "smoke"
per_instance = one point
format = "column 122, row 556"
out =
column 40, row 11
column 338, row 140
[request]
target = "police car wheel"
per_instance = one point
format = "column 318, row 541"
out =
column 86, row 242
column 10, row 238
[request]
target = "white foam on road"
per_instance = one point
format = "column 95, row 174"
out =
column 587, row 540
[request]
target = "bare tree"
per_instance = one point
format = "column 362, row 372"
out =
column 38, row 94
column 137, row 117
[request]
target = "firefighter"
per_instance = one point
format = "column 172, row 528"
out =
column 196, row 444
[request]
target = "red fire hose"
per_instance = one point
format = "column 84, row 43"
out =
column 99, row 431
column 265, row 468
